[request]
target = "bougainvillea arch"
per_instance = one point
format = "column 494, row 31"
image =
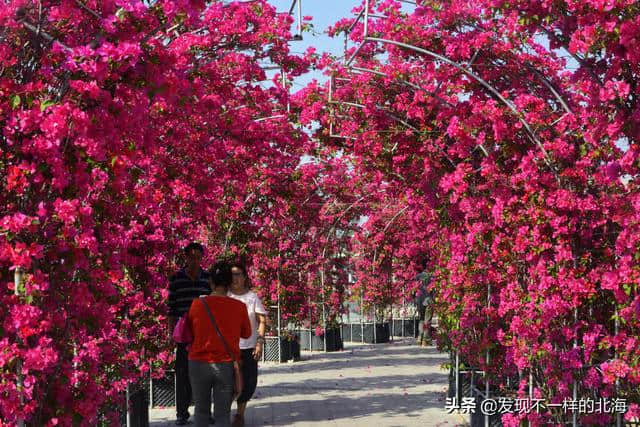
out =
column 128, row 129
column 500, row 139
column 516, row 174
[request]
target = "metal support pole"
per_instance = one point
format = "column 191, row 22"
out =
column 284, row 85
column 530, row 387
column 362, row 316
column 279, row 323
column 298, row 35
column 404, row 310
column 300, row 19
column 346, row 44
column 310, row 321
column 127, row 398
column 279, row 315
column 151, row 388
column 366, row 20
column 486, row 369
column 472, row 381
column 324, row 325
column 18, row 276
column 375, row 340
column 574, row 417
column 324, row 318
column 617, row 385
column 457, row 374
column 393, row 329
column 390, row 326
column 486, row 389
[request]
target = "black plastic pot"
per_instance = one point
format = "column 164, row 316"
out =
column 310, row 341
column 138, row 405
column 363, row 332
column 406, row 327
column 381, row 333
column 346, row 332
column 135, row 407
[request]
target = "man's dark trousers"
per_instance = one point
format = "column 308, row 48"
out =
column 183, row 386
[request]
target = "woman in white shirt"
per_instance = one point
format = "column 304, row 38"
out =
column 250, row 348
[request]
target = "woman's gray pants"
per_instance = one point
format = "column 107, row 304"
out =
column 219, row 378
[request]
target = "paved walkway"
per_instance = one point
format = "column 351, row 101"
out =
column 383, row 385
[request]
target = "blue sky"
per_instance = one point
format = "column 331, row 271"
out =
column 325, row 13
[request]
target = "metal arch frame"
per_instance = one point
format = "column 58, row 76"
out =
column 385, row 111
column 403, row 82
column 530, row 134
column 284, row 84
column 361, row 70
column 365, row 14
column 298, row 35
column 529, row 131
column 405, row 123
column 378, row 107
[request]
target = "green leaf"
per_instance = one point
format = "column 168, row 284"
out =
column 583, row 150
column 15, row 101
column 46, row 104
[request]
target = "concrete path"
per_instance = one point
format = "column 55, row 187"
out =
column 386, row 385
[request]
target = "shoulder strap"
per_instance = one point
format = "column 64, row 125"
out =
column 215, row 326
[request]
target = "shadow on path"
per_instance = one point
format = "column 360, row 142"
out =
column 394, row 384
column 329, row 408
column 361, row 357
column 372, row 384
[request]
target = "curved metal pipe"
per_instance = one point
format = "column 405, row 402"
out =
column 486, row 85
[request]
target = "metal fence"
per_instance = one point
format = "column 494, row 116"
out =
column 467, row 383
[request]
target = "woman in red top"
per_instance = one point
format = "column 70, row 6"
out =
column 210, row 364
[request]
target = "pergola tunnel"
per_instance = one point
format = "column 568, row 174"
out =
column 490, row 145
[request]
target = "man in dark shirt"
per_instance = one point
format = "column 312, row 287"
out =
column 184, row 286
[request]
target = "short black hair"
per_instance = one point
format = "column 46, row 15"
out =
column 239, row 263
column 221, row 274
column 194, row 246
